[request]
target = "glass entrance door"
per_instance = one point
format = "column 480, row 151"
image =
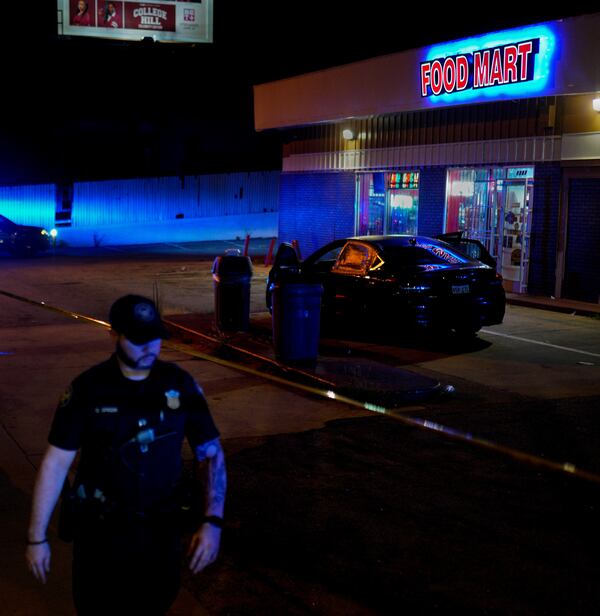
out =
column 516, row 231
column 493, row 205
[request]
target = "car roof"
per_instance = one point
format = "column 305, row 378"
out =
column 385, row 241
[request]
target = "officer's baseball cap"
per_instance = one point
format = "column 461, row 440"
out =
column 137, row 318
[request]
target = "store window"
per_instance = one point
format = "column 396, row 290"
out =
column 388, row 203
column 493, row 205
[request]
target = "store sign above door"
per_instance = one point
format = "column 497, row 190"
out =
column 510, row 64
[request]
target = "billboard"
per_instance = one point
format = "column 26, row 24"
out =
column 177, row 21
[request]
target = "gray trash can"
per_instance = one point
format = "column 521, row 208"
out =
column 231, row 282
column 296, row 321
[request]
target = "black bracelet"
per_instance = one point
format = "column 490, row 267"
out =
column 215, row 520
column 37, row 542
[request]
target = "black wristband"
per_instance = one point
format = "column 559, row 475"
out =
column 37, row 542
column 215, row 520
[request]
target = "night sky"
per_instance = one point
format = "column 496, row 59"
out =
column 77, row 109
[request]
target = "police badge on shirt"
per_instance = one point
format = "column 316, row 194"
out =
column 173, row 401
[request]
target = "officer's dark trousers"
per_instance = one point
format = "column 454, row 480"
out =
column 126, row 567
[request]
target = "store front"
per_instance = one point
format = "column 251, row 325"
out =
column 494, row 205
column 388, row 203
column 490, row 204
column 496, row 135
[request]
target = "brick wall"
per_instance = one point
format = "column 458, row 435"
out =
column 316, row 208
column 582, row 264
column 432, row 200
column 544, row 228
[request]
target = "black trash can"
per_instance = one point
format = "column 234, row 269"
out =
column 296, row 321
column 231, row 282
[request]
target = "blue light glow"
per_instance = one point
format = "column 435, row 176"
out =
column 536, row 86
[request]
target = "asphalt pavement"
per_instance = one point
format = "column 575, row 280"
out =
column 331, row 510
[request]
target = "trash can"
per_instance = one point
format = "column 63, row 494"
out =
column 231, row 282
column 296, row 321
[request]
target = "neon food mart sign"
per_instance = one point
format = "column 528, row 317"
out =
column 509, row 64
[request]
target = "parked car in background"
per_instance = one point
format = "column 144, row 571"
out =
column 404, row 282
column 22, row 240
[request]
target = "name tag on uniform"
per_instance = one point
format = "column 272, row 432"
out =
column 106, row 409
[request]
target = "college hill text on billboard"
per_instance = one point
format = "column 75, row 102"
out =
column 178, row 21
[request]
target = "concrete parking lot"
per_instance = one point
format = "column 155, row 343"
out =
column 332, row 510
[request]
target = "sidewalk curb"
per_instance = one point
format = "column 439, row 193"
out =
column 556, row 305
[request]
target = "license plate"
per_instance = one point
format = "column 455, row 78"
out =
column 460, row 289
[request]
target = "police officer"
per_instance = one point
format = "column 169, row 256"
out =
column 128, row 417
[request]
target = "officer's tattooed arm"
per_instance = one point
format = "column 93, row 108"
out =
column 204, row 547
column 216, row 484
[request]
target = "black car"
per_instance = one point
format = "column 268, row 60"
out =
column 405, row 281
column 22, row 240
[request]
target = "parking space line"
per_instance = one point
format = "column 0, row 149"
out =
column 539, row 342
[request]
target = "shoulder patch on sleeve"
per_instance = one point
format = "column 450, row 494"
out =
column 66, row 396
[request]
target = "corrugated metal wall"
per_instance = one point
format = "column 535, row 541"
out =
column 498, row 151
column 500, row 120
column 156, row 199
column 117, row 202
column 29, row 205
column 146, row 200
column 238, row 193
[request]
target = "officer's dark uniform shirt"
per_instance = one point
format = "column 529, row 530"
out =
column 131, row 432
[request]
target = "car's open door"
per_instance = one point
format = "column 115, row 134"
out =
column 473, row 249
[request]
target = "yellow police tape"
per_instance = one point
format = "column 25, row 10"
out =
column 523, row 457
